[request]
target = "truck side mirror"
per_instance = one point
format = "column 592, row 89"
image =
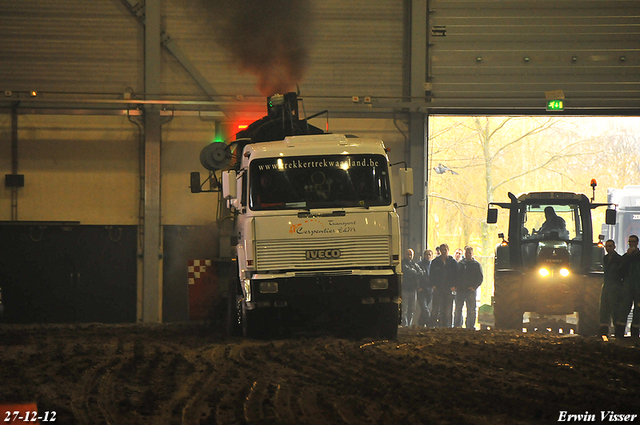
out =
column 610, row 217
column 195, row 182
column 406, row 181
column 229, row 184
column 492, row 215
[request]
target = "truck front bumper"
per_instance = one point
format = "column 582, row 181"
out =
column 322, row 290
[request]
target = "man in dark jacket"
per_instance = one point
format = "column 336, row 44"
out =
column 411, row 275
column 470, row 278
column 553, row 223
column 611, row 288
column 425, row 291
column 443, row 274
column 630, row 290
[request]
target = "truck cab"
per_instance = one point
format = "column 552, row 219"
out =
column 318, row 236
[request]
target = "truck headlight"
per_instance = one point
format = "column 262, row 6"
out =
column 268, row 287
column 564, row 272
column 379, row 283
column 543, row 272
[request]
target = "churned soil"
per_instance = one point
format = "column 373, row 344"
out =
column 190, row 374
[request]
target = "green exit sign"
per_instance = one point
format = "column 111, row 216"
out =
column 555, row 105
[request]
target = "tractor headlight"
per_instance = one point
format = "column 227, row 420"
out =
column 564, row 272
column 543, row 272
column 268, row 287
column 379, row 283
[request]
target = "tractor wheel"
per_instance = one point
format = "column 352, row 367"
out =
column 589, row 312
column 507, row 311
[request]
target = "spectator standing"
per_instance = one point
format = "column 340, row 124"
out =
column 611, row 288
column 425, row 291
column 411, row 275
column 443, row 275
column 470, row 278
column 630, row 290
column 457, row 255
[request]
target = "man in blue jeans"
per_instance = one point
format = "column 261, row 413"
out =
column 443, row 274
column 425, row 290
column 470, row 279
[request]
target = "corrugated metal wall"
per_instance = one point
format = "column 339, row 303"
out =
column 506, row 54
column 76, row 168
column 76, row 46
column 482, row 54
column 355, row 49
column 69, row 46
column 358, row 49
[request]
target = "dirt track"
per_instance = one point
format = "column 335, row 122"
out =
column 187, row 374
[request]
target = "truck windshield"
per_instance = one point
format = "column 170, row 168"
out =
column 551, row 222
column 319, row 182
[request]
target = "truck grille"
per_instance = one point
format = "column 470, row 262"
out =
column 354, row 252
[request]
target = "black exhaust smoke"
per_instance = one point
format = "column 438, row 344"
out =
column 268, row 38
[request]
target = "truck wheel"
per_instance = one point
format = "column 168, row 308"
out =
column 234, row 308
column 251, row 323
column 507, row 312
column 355, row 323
column 260, row 323
column 589, row 312
column 386, row 325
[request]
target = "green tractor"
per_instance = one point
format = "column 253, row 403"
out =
column 548, row 273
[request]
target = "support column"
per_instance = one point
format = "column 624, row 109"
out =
column 417, row 127
column 152, row 252
column 417, row 161
column 14, row 160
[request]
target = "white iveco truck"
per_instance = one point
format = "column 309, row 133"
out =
column 318, row 235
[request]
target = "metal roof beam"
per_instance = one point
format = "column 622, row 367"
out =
column 137, row 9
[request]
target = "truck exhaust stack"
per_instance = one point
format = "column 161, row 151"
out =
column 282, row 120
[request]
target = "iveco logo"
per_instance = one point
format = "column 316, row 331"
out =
column 320, row 254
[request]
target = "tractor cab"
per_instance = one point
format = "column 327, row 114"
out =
column 551, row 228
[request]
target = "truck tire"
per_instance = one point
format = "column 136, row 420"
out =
column 507, row 311
column 371, row 321
column 589, row 311
column 386, row 325
column 261, row 323
column 355, row 323
column 252, row 324
column 234, row 309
